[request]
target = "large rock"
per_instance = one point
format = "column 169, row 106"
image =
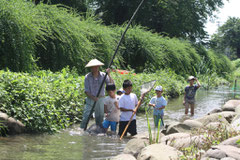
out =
column 223, row 151
column 236, row 123
column 159, row 152
column 216, row 125
column 177, row 128
column 193, row 123
column 123, row 157
column 3, row 116
column 169, row 138
column 14, row 126
column 237, row 109
column 223, row 117
column 134, row 146
column 217, row 110
column 230, row 105
column 228, row 158
column 232, row 141
column 182, row 140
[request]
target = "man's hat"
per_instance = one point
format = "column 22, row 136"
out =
column 94, row 62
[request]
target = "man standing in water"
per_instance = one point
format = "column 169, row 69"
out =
column 189, row 95
column 92, row 84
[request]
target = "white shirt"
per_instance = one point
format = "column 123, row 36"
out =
column 127, row 102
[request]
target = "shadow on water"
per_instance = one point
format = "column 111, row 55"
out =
column 73, row 144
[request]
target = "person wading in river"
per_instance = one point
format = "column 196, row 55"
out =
column 189, row 95
column 92, row 84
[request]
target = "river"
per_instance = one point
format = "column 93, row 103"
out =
column 73, row 144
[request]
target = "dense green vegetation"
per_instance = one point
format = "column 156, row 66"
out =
column 53, row 37
column 43, row 101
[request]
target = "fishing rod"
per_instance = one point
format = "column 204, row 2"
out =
column 111, row 62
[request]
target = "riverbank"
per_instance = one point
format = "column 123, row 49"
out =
column 215, row 135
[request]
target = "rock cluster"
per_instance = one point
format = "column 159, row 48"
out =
column 12, row 126
column 178, row 135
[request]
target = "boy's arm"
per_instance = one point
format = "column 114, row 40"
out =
column 121, row 106
column 151, row 103
column 198, row 83
column 116, row 105
column 126, row 110
column 184, row 99
column 161, row 108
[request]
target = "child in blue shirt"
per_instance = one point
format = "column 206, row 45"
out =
column 158, row 103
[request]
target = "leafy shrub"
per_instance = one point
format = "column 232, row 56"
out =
column 43, row 101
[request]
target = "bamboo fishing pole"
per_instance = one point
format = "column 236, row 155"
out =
column 111, row 62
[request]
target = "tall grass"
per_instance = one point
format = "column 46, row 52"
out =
column 50, row 37
column 54, row 36
column 155, row 138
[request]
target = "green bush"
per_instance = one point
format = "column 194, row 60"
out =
column 43, row 101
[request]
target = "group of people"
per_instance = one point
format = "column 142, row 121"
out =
column 120, row 107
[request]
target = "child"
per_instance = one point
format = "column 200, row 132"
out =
column 127, row 103
column 120, row 92
column 189, row 96
column 111, row 108
column 158, row 103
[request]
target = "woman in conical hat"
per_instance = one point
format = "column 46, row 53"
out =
column 92, row 84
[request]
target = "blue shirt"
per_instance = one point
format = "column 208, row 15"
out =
column 191, row 92
column 92, row 84
column 159, row 102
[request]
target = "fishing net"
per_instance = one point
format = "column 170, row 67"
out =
column 146, row 87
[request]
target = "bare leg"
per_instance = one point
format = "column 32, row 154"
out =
column 186, row 108
column 192, row 109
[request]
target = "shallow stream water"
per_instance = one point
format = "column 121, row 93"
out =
column 73, row 144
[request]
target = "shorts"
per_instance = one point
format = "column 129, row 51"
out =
column 156, row 119
column 132, row 128
column 190, row 101
column 113, row 125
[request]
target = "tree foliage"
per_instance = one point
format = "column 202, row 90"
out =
column 176, row 18
column 227, row 38
column 78, row 5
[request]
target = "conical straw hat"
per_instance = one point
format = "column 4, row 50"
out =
column 94, row 62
